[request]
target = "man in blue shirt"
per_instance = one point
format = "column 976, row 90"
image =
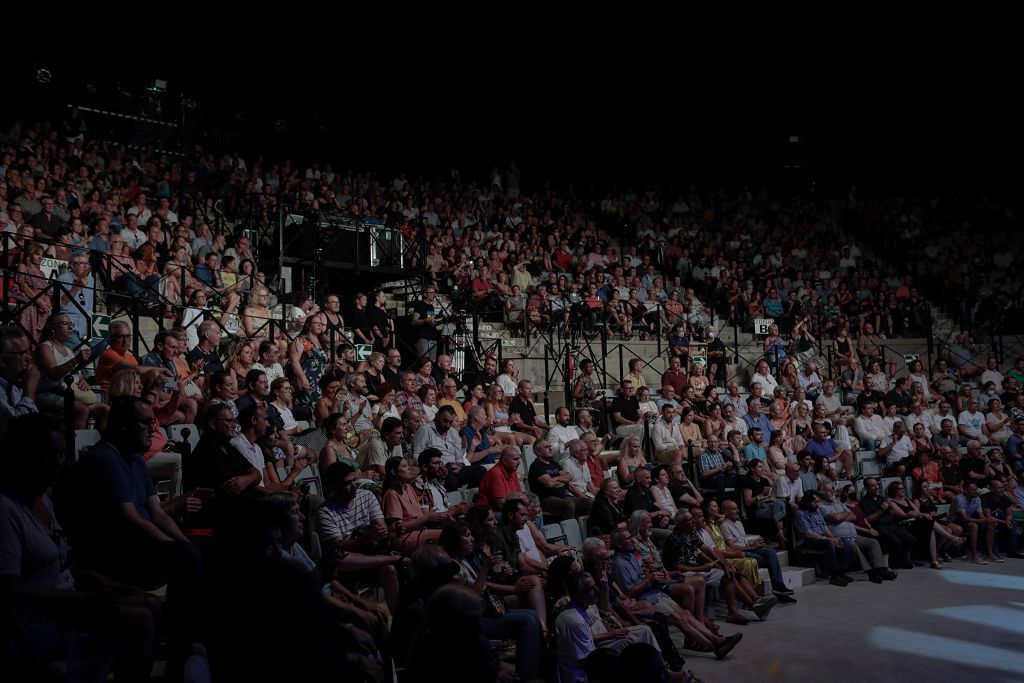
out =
column 77, row 295
column 755, row 418
column 119, row 527
column 824, row 448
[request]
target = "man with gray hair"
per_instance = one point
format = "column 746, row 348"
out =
column 206, row 350
column 576, row 465
column 118, row 357
column 842, row 522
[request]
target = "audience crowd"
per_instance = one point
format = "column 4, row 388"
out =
column 388, row 510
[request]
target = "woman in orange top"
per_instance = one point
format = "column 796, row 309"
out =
column 406, row 517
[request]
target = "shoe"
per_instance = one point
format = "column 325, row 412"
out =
column 906, row 565
column 783, row 590
column 763, row 606
column 1015, row 556
column 874, row 576
column 946, row 557
column 786, row 599
column 935, row 564
column 994, row 558
column 739, row 620
column 977, row 560
column 690, row 645
column 838, row 581
column 730, row 642
column 888, row 574
column 846, row 577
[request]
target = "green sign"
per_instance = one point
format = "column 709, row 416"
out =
column 363, row 351
column 701, row 360
column 100, row 326
column 909, row 358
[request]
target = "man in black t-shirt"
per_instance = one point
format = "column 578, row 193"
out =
column 425, row 321
column 554, row 487
column 625, row 412
column 996, row 505
column 523, row 405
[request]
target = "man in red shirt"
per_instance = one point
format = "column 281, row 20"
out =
column 674, row 377
column 501, row 479
column 594, row 445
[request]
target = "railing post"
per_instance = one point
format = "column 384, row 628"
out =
column 69, row 417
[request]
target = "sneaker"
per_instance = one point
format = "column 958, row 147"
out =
column 994, row 558
column 874, row 576
column 727, row 645
column 786, row 599
column 888, row 574
column 763, row 606
column 783, row 591
column 977, row 560
column 838, row 581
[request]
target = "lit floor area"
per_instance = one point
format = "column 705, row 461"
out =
column 962, row 623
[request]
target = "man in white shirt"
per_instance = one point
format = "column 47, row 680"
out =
column 899, row 449
column 919, row 415
column 789, row 488
column 561, row 433
column 669, row 444
column 576, row 465
column 993, row 375
column 763, row 376
column 439, row 434
column 942, row 412
column 971, row 423
column 668, row 398
column 809, row 380
column 870, row 428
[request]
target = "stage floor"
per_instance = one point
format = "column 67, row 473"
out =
column 962, row 623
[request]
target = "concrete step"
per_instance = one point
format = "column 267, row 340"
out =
column 796, row 577
column 783, row 558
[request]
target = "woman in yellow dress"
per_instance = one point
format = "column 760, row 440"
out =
column 746, row 566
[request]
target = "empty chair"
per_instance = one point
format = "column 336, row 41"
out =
column 572, row 533
column 85, row 439
column 176, row 433
column 553, row 533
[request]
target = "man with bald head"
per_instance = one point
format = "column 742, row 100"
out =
column 502, row 479
column 562, row 432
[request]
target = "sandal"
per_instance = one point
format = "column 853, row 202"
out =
column 935, row 564
column 712, row 626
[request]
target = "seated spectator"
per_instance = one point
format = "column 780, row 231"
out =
column 1007, row 530
column 907, row 514
column 971, row 423
column 379, row 447
column 576, row 465
column 735, row 536
column 502, row 479
column 760, row 501
column 206, row 350
column 503, row 617
column 55, row 605
column 120, row 528
column 480, row 450
column 625, row 412
column 899, row 452
column 715, row 471
column 117, row 356
column 253, row 425
column 165, row 354
column 631, row 460
column 351, row 521
column 968, row 513
column 440, row 434
column 669, row 444
column 813, row 534
column 522, row 405
column 19, row 376
column 269, row 361
column 896, row 541
column 870, row 428
column 411, row 523
column 500, row 419
column 607, row 513
column 55, row 361
column 629, row 577
column 580, row 629
column 756, row 420
column 554, row 486
column 640, row 497
column 562, row 432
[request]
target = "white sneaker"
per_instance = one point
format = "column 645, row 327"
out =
column 994, row 558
